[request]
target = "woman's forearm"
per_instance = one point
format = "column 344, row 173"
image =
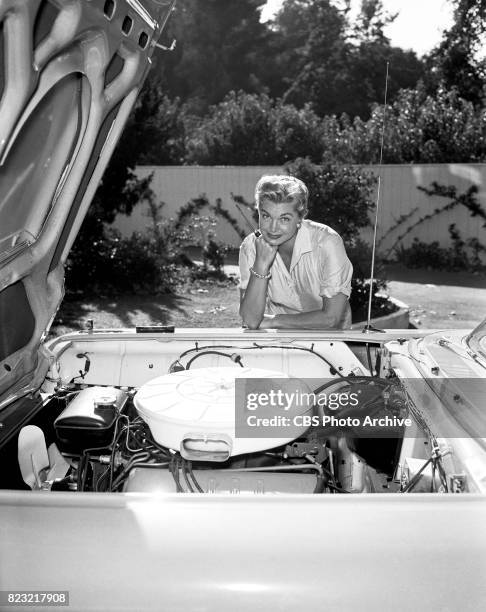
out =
column 316, row 319
column 332, row 316
column 252, row 307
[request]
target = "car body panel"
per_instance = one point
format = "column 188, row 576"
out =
column 69, row 78
column 71, row 72
column 137, row 552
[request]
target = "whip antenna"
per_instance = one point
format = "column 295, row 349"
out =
column 250, row 225
column 368, row 326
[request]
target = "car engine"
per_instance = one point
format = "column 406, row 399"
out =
column 179, row 432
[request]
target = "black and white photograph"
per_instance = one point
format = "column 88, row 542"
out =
column 243, row 305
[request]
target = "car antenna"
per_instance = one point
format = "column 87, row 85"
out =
column 368, row 327
column 250, row 225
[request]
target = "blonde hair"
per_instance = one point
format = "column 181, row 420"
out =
column 283, row 189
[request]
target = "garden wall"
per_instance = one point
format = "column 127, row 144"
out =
column 176, row 185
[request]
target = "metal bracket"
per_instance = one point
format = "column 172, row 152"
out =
column 164, row 48
column 457, row 483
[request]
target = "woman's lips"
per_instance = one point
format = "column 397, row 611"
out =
column 272, row 237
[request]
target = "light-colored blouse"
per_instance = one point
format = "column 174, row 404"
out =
column 319, row 268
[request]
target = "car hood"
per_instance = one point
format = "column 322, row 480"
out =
column 70, row 71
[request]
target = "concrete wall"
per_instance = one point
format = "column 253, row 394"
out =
column 176, row 185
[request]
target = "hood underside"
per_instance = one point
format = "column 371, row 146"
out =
column 70, row 72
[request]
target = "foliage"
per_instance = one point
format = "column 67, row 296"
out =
column 154, row 133
column 238, row 131
column 457, row 61
column 360, row 254
column 114, row 264
column 310, row 52
column 147, row 261
column 199, row 230
column 462, row 255
column 253, row 129
column 371, row 21
column 213, row 254
column 339, row 196
column 250, row 129
column 161, row 126
column 220, row 44
column 467, row 199
column 360, row 293
column 335, row 65
column 419, row 128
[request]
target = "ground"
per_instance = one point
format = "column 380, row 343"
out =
column 436, row 300
column 439, row 299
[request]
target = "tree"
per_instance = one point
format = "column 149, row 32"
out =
column 157, row 127
column 371, row 21
column 457, row 61
column 339, row 66
column 217, row 51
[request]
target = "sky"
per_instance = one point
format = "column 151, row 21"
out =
column 418, row 26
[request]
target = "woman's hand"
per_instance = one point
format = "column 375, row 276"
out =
column 265, row 255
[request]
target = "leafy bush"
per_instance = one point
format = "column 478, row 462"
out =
column 461, row 256
column 148, row 261
column 420, row 128
column 115, row 264
column 360, row 294
column 359, row 252
column 250, row 129
column 213, row 254
column 339, row 196
column 236, row 131
column 199, row 230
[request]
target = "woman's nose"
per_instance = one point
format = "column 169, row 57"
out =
column 273, row 224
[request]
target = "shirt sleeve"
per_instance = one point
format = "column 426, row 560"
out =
column 246, row 259
column 335, row 269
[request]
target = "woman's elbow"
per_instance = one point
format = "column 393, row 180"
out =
column 252, row 325
column 249, row 321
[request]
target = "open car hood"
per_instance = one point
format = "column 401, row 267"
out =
column 70, row 72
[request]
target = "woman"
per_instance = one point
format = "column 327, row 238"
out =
column 295, row 273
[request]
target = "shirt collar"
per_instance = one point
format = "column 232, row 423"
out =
column 302, row 244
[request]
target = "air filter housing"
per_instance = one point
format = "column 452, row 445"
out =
column 193, row 411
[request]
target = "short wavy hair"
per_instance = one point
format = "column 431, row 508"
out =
column 283, row 189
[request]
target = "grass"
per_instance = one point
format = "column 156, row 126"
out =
column 436, row 300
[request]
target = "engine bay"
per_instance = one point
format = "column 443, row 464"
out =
column 141, row 415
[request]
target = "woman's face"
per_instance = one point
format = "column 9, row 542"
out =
column 278, row 222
